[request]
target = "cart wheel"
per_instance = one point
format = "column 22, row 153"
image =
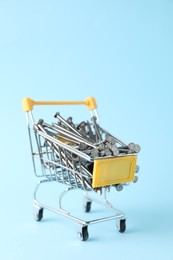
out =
column 87, row 207
column 39, row 214
column 122, row 226
column 83, row 235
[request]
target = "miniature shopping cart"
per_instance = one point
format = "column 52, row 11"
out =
column 81, row 156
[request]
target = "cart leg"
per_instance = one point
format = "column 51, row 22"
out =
column 38, row 207
column 121, row 225
column 88, row 206
column 82, row 233
column 38, row 213
column 86, row 203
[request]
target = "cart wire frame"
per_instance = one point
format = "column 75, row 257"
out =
column 57, row 162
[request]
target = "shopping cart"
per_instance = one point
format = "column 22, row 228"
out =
column 82, row 156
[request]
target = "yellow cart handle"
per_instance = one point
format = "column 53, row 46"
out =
column 28, row 103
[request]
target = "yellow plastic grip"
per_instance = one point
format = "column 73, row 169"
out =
column 28, row 103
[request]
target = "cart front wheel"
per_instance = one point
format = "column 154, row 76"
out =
column 122, row 226
column 83, row 235
column 39, row 214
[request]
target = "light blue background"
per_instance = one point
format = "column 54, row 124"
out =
column 121, row 53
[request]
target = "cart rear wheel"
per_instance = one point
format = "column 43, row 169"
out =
column 39, row 214
column 83, row 235
column 122, row 226
column 87, row 206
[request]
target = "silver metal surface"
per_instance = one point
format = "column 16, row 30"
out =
column 58, row 116
column 119, row 187
column 137, row 168
column 72, row 136
column 97, row 131
column 111, row 135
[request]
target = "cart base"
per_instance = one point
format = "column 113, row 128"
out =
column 82, row 225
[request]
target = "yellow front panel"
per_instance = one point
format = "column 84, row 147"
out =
column 113, row 170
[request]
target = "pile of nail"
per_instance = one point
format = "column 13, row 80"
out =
column 87, row 137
